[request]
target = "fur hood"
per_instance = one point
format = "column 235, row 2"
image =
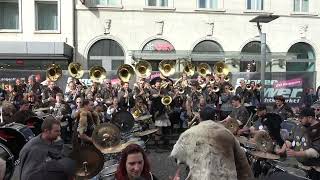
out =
column 211, row 152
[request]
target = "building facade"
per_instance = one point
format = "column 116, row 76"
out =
column 112, row 32
column 36, row 33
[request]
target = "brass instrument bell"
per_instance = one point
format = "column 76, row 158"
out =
column 97, row 74
column 166, row 100
column 226, row 78
column 231, row 89
column 189, row 69
column 54, row 72
column 248, row 86
column 75, row 70
column 212, row 80
column 220, row 68
column 125, row 72
column 258, row 86
column 181, row 90
column 167, row 67
column 143, row 69
column 204, row 69
column 216, row 89
column 136, row 113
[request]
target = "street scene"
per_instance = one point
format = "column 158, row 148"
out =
column 159, row 90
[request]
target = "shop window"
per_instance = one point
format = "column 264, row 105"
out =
column 10, row 14
column 207, row 46
column 159, row 3
column 47, row 15
column 304, row 52
column 106, row 53
column 301, row 5
column 255, row 5
column 108, row 2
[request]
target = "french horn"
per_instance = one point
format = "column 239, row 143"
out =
column 54, row 72
column 167, row 67
column 75, row 70
column 125, row 72
column 204, row 69
column 97, row 74
column 143, row 69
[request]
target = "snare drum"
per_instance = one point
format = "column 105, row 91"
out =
column 7, row 156
column 15, row 136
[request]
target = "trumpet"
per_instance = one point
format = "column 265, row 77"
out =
column 212, row 80
column 181, row 90
column 216, row 89
column 199, row 89
column 166, row 100
column 227, row 78
column 231, row 89
column 248, row 86
column 258, row 86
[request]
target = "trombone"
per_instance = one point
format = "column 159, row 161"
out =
column 75, row 70
column 97, row 74
column 125, row 72
column 54, row 72
column 167, row 67
column 143, row 69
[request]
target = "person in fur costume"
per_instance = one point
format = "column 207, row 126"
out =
column 211, row 151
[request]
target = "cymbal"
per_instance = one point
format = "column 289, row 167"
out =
column 144, row 117
column 106, row 136
column 241, row 139
column 144, row 133
column 41, row 109
column 263, row 141
column 123, row 120
column 231, row 125
column 115, row 149
column 89, row 161
column 264, row 155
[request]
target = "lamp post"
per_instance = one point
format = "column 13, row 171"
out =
column 263, row 19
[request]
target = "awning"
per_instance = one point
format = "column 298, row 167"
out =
column 35, row 50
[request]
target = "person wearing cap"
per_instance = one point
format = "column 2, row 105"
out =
column 270, row 122
column 306, row 147
column 282, row 108
column 39, row 150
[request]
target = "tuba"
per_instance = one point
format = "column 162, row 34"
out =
column 143, row 69
column 204, row 69
column 189, row 69
column 97, row 73
column 54, row 72
column 75, row 70
column 166, row 100
column 167, row 67
column 125, row 72
column 220, row 68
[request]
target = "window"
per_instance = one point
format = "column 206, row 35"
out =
column 208, row 4
column 108, row 2
column 255, row 5
column 9, row 14
column 47, row 15
column 160, row 3
column 301, row 6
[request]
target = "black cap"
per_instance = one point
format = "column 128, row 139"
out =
column 305, row 112
column 261, row 107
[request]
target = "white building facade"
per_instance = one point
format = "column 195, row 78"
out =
column 36, row 33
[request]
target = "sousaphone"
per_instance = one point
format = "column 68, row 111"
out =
column 167, row 67
column 143, row 69
column 204, row 69
column 125, row 72
column 97, row 74
column 54, row 72
column 220, row 68
column 189, row 69
column 75, row 70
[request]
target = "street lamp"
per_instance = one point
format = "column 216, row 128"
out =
column 263, row 19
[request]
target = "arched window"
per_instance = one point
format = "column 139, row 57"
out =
column 252, row 48
column 207, row 47
column 157, row 46
column 107, row 53
column 305, row 57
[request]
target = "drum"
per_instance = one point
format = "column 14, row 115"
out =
column 290, row 167
column 7, row 156
column 34, row 123
column 15, row 136
column 139, row 141
column 109, row 170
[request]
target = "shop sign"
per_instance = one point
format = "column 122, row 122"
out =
column 159, row 45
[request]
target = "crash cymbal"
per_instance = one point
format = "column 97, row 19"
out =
column 231, row 125
column 242, row 139
column 89, row 161
column 144, row 133
column 106, row 136
column 116, row 149
column 263, row 141
column 142, row 118
column 123, row 120
column 41, row 109
column 264, row 155
column 245, row 142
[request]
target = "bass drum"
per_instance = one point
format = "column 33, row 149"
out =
column 7, row 156
column 15, row 136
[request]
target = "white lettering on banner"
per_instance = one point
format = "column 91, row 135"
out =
column 287, row 93
column 267, row 82
column 291, row 101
